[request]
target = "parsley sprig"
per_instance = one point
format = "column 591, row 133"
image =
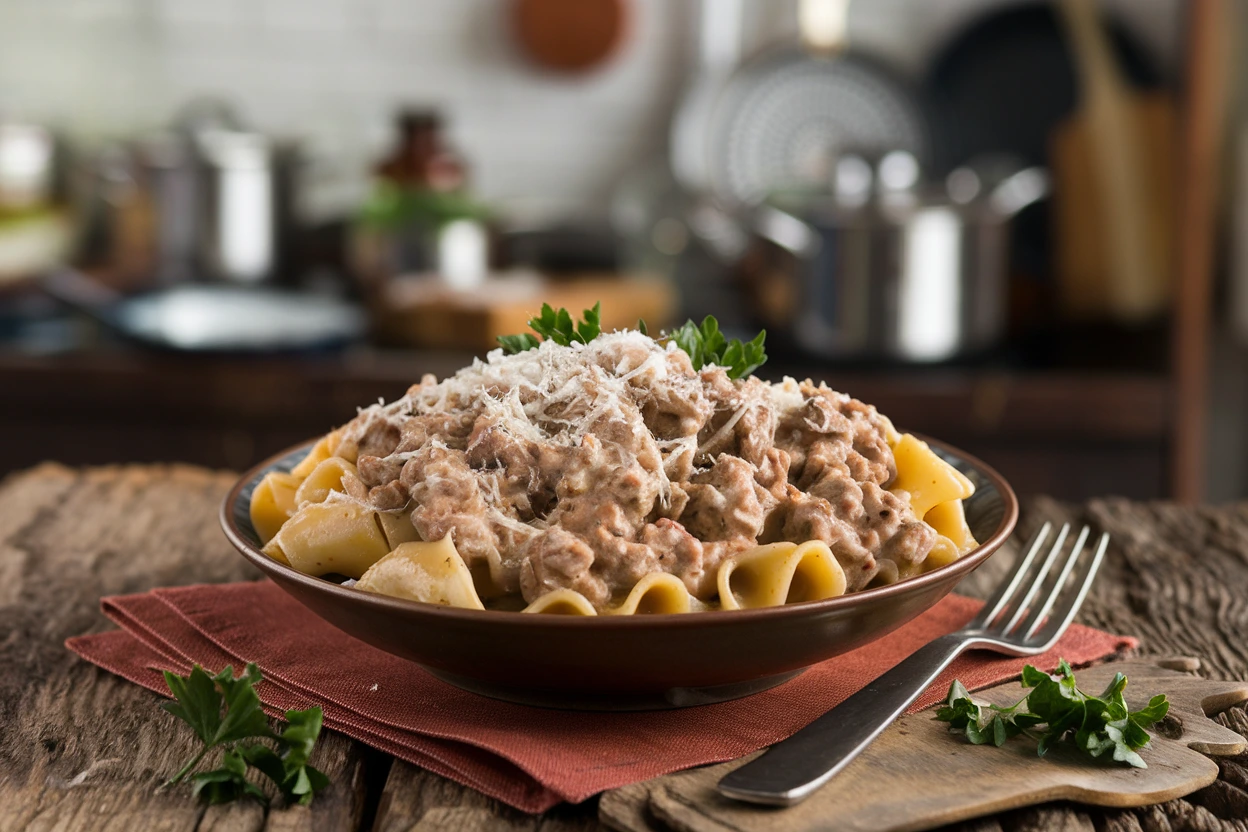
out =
column 556, row 325
column 1055, row 710
column 704, row 343
column 224, row 710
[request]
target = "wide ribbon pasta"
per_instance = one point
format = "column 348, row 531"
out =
column 273, row 502
column 306, row 519
column 935, row 491
column 430, row 572
column 562, row 602
column 926, row 479
column 321, row 451
column 780, row 573
column 949, row 521
column 339, row 536
column 398, row 528
column 656, row 593
column 954, row 538
column 329, row 475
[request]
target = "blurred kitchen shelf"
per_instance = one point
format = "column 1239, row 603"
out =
column 1068, row 434
column 1101, row 347
column 1134, row 426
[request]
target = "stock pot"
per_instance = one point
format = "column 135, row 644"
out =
column 207, row 200
column 894, row 271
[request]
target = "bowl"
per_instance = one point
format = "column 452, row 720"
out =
column 626, row 662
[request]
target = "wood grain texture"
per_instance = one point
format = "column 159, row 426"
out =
column 81, row 749
column 417, row 799
column 1176, row 577
column 1206, row 103
column 932, row 778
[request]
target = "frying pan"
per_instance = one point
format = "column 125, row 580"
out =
column 780, row 119
column 1005, row 81
column 1001, row 86
column 214, row 318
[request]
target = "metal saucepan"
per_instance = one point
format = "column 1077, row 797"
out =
column 885, row 269
column 217, row 318
column 207, row 200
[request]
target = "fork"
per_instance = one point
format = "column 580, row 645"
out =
column 1011, row 622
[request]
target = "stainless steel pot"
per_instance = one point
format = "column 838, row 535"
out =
column 248, row 205
column 897, row 273
column 206, row 200
column 27, row 166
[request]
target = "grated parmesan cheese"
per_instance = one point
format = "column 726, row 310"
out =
column 560, row 466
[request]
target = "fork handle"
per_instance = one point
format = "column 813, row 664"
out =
column 792, row 769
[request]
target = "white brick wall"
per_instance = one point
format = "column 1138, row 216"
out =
column 333, row 71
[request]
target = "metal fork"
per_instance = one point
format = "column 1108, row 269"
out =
column 1010, row 622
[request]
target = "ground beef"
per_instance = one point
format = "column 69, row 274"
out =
column 590, row 466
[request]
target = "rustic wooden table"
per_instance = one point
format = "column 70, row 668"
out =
column 81, row 749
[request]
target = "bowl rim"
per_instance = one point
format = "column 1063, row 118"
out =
column 960, row 568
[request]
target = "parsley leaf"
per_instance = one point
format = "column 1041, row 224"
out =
column 289, row 768
column 705, row 344
column 227, row 783
column 224, row 710
column 197, row 702
column 221, row 709
column 513, row 344
column 244, row 716
column 1055, row 710
column 982, row 722
column 556, row 325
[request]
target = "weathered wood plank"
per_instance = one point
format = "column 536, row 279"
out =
column 1177, row 578
column 418, row 799
column 627, row 809
column 914, row 777
column 80, row 748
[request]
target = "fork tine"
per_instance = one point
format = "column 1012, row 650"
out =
column 1061, row 618
column 993, row 607
column 1020, row 609
column 1041, row 613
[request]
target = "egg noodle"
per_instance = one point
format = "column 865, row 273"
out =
column 612, row 478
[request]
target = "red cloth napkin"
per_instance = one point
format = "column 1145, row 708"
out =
column 530, row 758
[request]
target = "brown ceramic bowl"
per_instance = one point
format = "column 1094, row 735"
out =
column 626, row 662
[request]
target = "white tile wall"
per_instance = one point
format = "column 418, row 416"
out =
column 334, row 70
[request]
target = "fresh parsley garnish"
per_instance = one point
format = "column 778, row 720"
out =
column 705, row 345
column 224, row 710
column 556, row 325
column 288, row 767
column 513, row 344
column 1056, row 710
column 227, row 783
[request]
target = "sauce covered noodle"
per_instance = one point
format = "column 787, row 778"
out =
column 613, row 478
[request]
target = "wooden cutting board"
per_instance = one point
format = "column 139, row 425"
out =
column 919, row 776
column 1114, row 163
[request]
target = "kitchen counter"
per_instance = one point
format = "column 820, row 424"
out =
column 84, row 750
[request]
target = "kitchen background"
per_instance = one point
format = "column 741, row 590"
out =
column 333, row 71
column 223, row 225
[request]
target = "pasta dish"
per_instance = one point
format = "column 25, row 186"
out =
column 613, row 477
